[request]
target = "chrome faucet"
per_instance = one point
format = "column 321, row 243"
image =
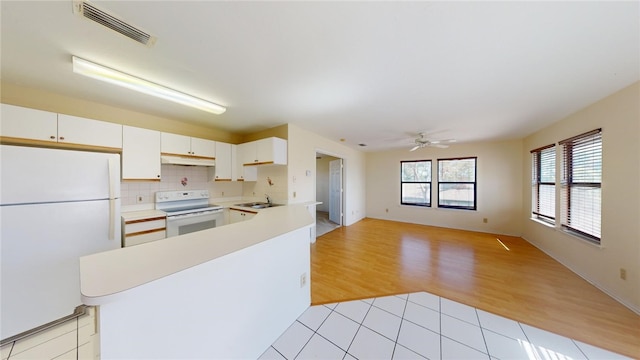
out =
column 268, row 199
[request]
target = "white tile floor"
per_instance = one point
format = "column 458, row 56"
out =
column 420, row 326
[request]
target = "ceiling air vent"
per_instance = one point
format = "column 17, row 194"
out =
column 91, row 12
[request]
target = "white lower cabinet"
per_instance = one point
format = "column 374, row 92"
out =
column 143, row 226
column 237, row 215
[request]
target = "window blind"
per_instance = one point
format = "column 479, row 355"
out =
column 544, row 183
column 581, row 184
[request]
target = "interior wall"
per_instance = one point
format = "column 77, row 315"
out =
column 499, row 188
column 303, row 146
column 43, row 100
column 619, row 117
column 281, row 132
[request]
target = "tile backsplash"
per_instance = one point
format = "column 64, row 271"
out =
column 272, row 181
column 176, row 177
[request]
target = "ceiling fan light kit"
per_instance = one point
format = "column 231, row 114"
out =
column 115, row 77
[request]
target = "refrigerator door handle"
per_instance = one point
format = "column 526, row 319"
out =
column 112, row 163
column 112, row 219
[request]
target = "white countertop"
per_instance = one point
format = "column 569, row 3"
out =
column 142, row 214
column 107, row 275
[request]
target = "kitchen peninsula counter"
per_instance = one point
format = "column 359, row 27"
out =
column 222, row 293
column 106, row 276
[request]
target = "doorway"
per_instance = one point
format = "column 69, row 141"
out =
column 329, row 191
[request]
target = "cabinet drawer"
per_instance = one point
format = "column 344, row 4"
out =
column 142, row 238
column 136, row 226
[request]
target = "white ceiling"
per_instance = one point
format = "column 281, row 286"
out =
column 368, row 72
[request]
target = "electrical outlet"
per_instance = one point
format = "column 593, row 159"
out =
column 303, row 279
column 623, row 273
column 139, row 199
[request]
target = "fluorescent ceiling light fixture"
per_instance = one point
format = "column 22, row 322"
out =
column 99, row 72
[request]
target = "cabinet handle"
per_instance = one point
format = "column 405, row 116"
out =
column 61, row 137
column 158, row 176
column 52, row 137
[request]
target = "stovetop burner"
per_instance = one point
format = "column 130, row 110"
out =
column 184, row 202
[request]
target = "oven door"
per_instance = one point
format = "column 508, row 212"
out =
column 188, row 223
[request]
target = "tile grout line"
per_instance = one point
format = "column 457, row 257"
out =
column 484, row 339
column 359, row 327
column 579, row 349
column 315, row 332
column 77, row 338
column 395, row 345
column 306, row 343
column 440, row 323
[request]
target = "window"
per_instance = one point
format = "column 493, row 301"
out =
column 581, row 185
column 457, row 183
column 415, row 181
column 544, row 183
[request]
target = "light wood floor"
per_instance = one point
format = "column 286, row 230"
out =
column 376, row 257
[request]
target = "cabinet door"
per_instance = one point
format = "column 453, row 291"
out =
column 248, row 152
column 203, row 148
column 223, row 162
column 279, row 151
column 272, row 151
column 24, row 123
column 236, row 167
column 77, row 130
column 175, row 144
column 235, row 216
column 140, row 154
column 238, row 215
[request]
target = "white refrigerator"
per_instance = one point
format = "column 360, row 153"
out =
column 55, row 206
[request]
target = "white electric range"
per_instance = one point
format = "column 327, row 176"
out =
column 188, row 211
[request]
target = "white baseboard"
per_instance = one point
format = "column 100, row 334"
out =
column 602, row 288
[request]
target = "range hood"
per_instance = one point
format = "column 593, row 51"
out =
column 179, row 160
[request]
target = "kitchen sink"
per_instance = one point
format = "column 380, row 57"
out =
column 257, row 205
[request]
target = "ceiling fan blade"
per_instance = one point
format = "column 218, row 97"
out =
column 415, row 148
column 439, row 146
column 446, row 141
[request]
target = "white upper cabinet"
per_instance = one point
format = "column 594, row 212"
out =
column 23, row 123
column 224, row 162
column 174, row 144
column 77, row 130
column 236, row 167
column 19, row 123
column 246, row 173
column 140, row 154
column 264, row 152
column 203, row 148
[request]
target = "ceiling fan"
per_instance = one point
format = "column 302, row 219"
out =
column 421, row 141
